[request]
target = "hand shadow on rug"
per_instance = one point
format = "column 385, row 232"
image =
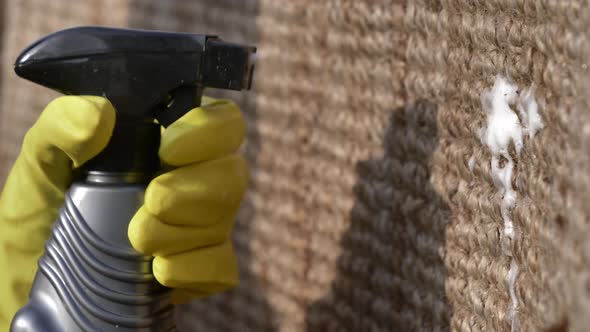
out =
column 390, row 273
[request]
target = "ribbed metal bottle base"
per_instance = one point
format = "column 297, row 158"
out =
column 87, row 283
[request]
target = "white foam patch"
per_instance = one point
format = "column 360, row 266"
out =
column 503, row 129
column 529, row 112
column 503, row 125
column 471, row 163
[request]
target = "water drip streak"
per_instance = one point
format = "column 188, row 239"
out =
column 503, row 128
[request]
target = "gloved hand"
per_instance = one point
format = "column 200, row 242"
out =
column 188, row 212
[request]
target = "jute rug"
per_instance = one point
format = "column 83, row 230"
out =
column 373, row 205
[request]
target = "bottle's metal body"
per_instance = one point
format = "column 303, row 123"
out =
column 90, row 278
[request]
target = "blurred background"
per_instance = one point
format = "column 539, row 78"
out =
column 306, row 133
column 362, row 213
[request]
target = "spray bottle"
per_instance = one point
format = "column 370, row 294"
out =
column 90, row 278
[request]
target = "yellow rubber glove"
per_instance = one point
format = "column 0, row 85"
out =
column 69, row 132
column 188, row 212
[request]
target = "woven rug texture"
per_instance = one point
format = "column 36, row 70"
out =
column 364, row 211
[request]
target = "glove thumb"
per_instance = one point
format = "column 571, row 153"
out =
column 70, row 131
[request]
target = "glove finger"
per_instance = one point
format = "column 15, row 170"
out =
column 150, row 236
column 204, row 271
column 208, row 132
column 70, row 131
column 199, row 194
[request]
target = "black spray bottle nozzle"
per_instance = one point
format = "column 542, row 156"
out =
column 145, row 74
